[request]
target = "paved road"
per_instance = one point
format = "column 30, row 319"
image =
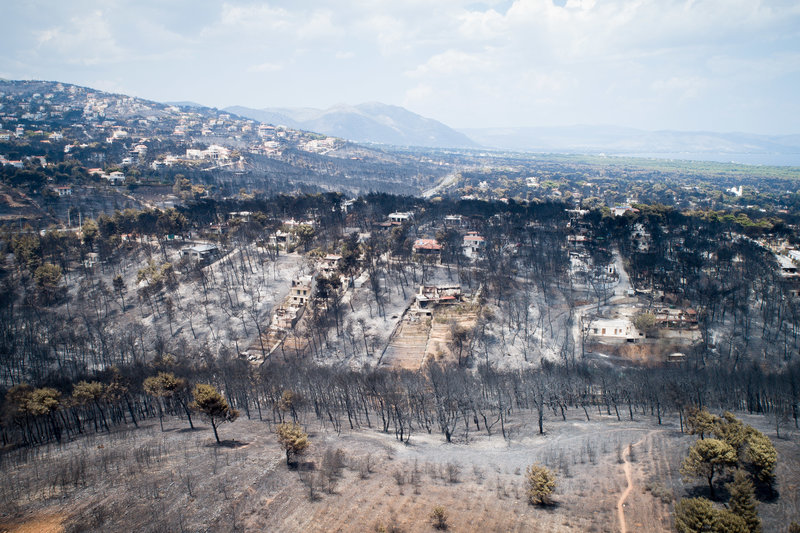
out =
column 624, row 283
column 446, row 182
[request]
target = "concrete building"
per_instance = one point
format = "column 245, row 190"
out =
column 614, row 328
column 301, row 291
column 203, row 253
column 400, row 217
column 473, row 245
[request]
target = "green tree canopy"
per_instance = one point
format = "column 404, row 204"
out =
column 701, row 422
column 726, row 521
column 43, row 401
column 753, row 449
column 731, row 430
column 742, row 501
column 760, row 453
column 27, row 251
column 88, row 391
column 540, row 483
column 694, row 515
column 213, row 406
column 305, row 234
column 706, row 458
column 645, row 322
column 292, row 439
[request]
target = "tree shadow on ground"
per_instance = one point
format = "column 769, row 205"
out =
column 191, row 430
column 701, row 491
column 550, row 507
column 763, row 493
column 766, row 493
column 229, row 443
column 303, row 466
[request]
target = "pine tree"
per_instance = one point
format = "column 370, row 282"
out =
column 706, row 458
column 727, row 522
column 761, row 454
column 292, row 439
column 541, row 483
column 211, row 403
column 700, row 421
column 694, row 515
column 742, row 502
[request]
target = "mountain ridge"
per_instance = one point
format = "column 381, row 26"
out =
column 370, row 122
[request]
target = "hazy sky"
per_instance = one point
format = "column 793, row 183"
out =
column 722, row 65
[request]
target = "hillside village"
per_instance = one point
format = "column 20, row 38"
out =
column 416, row 285
column 127, row 142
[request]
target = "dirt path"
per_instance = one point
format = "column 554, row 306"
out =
column 39, row 524
column 626, row 467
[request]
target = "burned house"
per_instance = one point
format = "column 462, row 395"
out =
column 427, row 247
column 203, row 253
column 430, row 296
column 301, row 291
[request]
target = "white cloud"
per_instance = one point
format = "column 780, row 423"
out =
column 265, row 21
column 680, row 88
column 450, row 63
column 265, row 67
column 83, row 40
column 320, row 25
column 500, row 62
column 418, row 95
column 256, row 18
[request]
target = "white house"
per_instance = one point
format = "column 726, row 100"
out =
column 115, row 178
column 453, row 221
column 330, row 265
column 473, row 245
column 399, row 217
column 216, row 152
column 736, row 191
column 614, row 328
column 620, row 210
column 788, row 268
column 201, row 252
column 347, row 205
column 301, row 290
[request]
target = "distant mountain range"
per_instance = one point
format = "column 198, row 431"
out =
column 630, row 141
column 393, row 125
column 367, row 123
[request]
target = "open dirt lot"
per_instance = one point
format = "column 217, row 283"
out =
column 179, row 480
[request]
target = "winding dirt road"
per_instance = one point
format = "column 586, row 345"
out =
column 626, row 467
